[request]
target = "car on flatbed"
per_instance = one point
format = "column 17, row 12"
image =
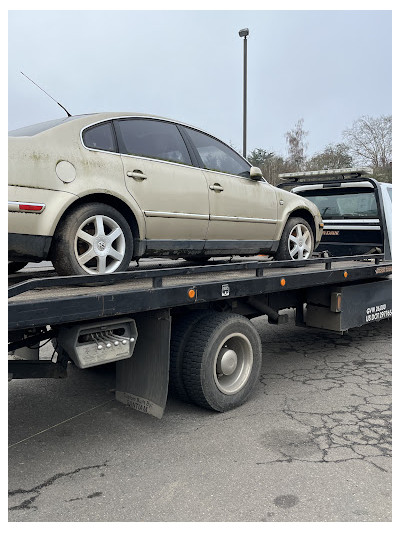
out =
column 92, row 192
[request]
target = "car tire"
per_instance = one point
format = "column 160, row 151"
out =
column 93, row 239
column 222, row 361
column 297, row 241
column 15, row 266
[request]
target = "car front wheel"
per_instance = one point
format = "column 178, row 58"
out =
column 297, row 241
column 94, row 239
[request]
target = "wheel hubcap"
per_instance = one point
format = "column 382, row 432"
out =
column 233, row 363
column 99, row 245
column 227, row 364
column 300, row 242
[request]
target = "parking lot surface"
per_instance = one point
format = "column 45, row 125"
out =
column 313, row 443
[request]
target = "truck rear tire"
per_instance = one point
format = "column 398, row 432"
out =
column 180, row 334
column 222, row 361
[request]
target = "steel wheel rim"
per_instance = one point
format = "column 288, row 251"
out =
column 233, row 363
column 300, row 242
column 99, row 245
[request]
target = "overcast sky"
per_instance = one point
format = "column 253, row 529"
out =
column 327, row 67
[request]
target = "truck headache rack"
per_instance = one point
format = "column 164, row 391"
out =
column 340, row 173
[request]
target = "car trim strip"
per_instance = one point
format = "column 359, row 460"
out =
column 166, row 214
column 220, row 218
column 217, row 218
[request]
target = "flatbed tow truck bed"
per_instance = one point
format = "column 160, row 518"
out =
column 176, row 313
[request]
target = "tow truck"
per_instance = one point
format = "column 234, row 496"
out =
column 356, row 209
column 187, row 329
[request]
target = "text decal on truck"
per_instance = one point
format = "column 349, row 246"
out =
column 377, row 313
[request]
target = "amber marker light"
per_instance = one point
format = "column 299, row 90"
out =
column 283, row 282
column 345, row 274
column 191, row 293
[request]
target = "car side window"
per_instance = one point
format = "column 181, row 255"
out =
column 100, row 137
column 152, row 138
column 215, row 155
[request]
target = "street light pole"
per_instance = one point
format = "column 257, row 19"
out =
column 244, row 33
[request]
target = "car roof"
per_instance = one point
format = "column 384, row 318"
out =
column 86, row 120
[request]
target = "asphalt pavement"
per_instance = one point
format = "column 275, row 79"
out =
column 312, row 444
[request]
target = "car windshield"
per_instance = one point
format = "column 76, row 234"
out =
column 348, row 203
column 34, row 129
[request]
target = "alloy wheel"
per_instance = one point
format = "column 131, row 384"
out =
column 99, row 245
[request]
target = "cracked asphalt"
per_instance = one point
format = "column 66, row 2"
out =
column 313, row 443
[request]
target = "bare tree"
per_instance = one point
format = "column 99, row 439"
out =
column 270, row 164
column 370, row 141
column 333, row 156
column 297, row 145
column 273, row 167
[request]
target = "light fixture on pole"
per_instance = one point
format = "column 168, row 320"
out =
column 244, row 33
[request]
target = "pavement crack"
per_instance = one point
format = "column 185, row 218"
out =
column 36, row 491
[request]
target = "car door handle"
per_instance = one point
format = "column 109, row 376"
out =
column 136, row 174
column 216, row 187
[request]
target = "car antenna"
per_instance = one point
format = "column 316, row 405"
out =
column 69, row 114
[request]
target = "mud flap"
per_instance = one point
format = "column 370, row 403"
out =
column 142, row 380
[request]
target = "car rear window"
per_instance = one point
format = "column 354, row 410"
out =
column 350, row 203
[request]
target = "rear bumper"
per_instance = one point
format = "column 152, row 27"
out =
column 28, row 247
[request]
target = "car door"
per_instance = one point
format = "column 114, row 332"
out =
column 169, row 189
column 241, row 209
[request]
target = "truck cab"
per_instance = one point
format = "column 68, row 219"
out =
column 356, row 209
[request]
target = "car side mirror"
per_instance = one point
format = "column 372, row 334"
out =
column 256, row 174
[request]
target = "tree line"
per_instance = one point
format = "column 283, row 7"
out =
column 367, row 143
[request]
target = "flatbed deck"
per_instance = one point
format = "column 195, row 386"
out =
column 37, row 300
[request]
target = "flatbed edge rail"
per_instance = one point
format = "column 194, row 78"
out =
column 58, row 310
